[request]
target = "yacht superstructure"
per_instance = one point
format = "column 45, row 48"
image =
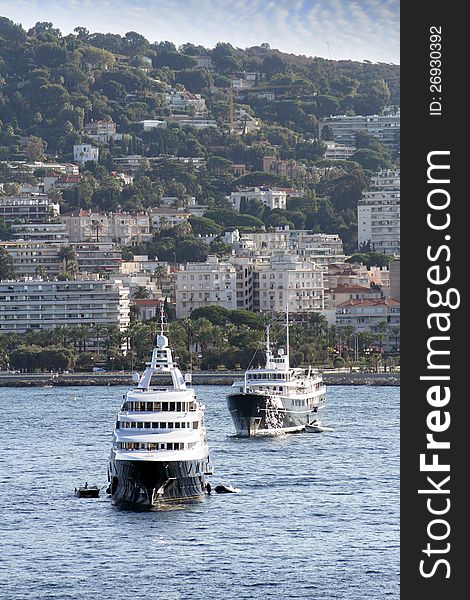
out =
column 159, row 448
column 276, row 398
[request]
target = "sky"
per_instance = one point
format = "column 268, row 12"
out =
column 337, row 29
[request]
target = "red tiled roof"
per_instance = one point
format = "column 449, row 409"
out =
column 371, row 302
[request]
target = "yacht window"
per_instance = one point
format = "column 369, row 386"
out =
column 134, row 425
column 117, row 424
column 178, row 406
column 164, row 406
column 158, row 406
column 170, row 425
column 176, row 446
column 195, row 424
column 149, row 406
column 140, row 425
column 177, row 425
column 148, row 425
column 172, row 406
column 169, row 446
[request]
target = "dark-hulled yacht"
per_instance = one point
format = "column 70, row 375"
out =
column 159, row 446
column 276, row 398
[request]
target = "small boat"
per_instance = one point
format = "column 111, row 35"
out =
column 316, row 428
column 226, row 489
column 87, row 491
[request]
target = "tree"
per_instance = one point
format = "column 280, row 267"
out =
column 273, row 63
column 370, row 259
column 41, row 272
column 204, row 226
column 6, row 265
column 160, row 273
column 327, row 133
column 217, row 315
column 380, row 330
column 96, row 226
column 35, row 148
column 68, row 257
column 141, row 292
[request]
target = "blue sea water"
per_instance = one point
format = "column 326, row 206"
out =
column 317, row 516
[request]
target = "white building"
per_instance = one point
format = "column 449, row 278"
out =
column 287, row 281
column 36, row 304
column 41, row 232
column 336, row 151
column 43, row 257
column 31, row 208
column 83, row 153
column 270, row 197
column 185, row 100
column 364, row 315
column 165, row 218
column 187, row 121
column 149, row 124
column 203, row 284
column 101, row 131
column 385, row 128
column 120, row 228
column 378, row 214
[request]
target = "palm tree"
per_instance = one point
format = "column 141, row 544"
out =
column 395, row 334
column 380, row 330
column 203, row 333
column 141, row 293
column 61, row 334
column 318, row 323
column 67, row 256
column 41, row 272
column 81, row 334
column 96, row 226
column 99, row 330
column 160, row 272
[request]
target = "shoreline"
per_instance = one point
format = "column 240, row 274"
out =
column 200, row 378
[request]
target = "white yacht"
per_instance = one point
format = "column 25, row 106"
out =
column 159, row 446
column 276, row 398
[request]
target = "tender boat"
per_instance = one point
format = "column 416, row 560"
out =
column 276, row 398
column 159, row 448
column 87, row 491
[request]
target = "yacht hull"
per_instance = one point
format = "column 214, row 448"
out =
column 142, row 484
column 259, row 415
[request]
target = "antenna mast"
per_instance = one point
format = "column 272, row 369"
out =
column 287, row 333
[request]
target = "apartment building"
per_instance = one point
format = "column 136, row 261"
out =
column 202, row 284
column 378, row 213
column 386, row 128
column 42, row 257
column 364, row 315
column 30, row 208
column 335, row 151
column 37, row 304
column 121, row 228
column 285, row 280
column 41, row 232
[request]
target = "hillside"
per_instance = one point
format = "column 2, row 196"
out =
column 261, row 103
